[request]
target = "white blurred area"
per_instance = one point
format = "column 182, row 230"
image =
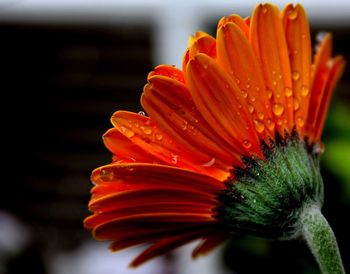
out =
column 93, row 258
column 173, row 20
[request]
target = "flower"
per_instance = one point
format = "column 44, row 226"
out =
column 231, row 142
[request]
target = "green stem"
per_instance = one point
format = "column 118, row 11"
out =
column 321, row 240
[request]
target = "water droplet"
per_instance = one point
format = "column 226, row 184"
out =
column 278, row 95
column 296, row 104
column 259, row 126
column 280, row 76
column 239, row 106
column 320, row 36
column 269, row 93
column 238, row 81
column 293, row 14
column 260, row 115
column 247, row 144
column 159, row 136
column 106, row 175
column 270, row 124
column 257, row 89
column 252, row 98
column 300, row 122
column 285, row 121
column 248, row 86
column 147, row 130
column 210, row 163
column 295, row 75
column 279, row 122
column 264, row 10
column 238, row 113
column 244, row 94
column 274, row 72
column 304, row 90
column 250, row 108
column 205, row 66
column 288, row 92
column 174, row 158
column 318, row 148
column 274, row 83
column 227, row 86
column 142, row 113
column 278, row 109
column 184, row 125
column 127, row 132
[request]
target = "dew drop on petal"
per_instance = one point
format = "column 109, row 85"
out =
column 295, row 75
column 210, row 163
column 238, row 81
column 252, row 98
column 259, row 126
column 300, row 122
column 248, row 86
column 205, row 66
column 293, row 14
column 106, row 175
column 264, row 10
column 250, row 108
column 270, row 124
column 296, row 104
column 278, row 109
column 244, row 94
column 142, row 113
column 279, row 122
column 304, row 90
column 159, row 136
column 147, row 130
column 274, row 83
column 269, row 93
column 278, row 95
column 288, row 92
column 247, row 144
column 260, row 115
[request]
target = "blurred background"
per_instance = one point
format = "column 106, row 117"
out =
column 66, row 66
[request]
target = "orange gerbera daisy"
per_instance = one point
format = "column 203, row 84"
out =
column 231, row 142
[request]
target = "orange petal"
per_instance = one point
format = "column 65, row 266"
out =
column 143, row 132
column 320, row 76
column 124, row 150
column 170, row 105
column 201, row 42
column 165, row 245
column 156, row 174
column 269, row 44
column 236, row 56
column 337, row 68
column 151, row 224
column 299, row 45
column 209, row 243
column 237, row 20
column 219, row 100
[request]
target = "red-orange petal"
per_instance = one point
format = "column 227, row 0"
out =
column 170, row 105
column 270, row 46
column 219, row 100
column 337, row 67
column 299, row 45
column 165, row 245
column 237, row 57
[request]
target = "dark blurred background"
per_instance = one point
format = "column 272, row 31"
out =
column 62, row 77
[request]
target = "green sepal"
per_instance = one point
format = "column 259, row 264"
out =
column 266, row 197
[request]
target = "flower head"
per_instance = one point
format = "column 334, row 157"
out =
column 236, row 126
